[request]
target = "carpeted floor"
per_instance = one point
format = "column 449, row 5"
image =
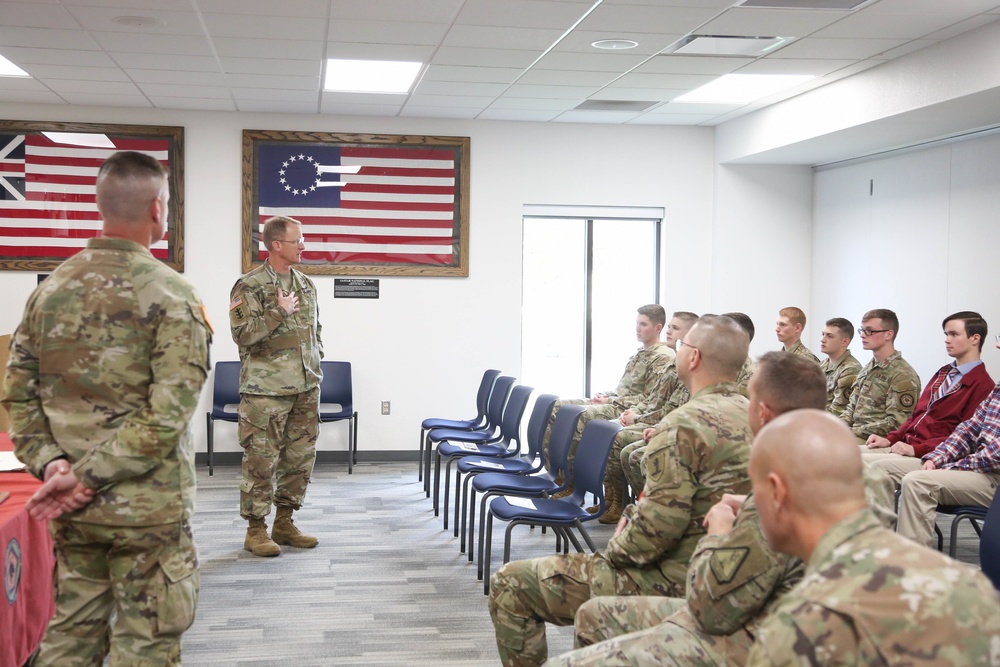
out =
column 386, row 586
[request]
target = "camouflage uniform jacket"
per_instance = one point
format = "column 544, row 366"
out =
column 279, row 353
column 642, row 374
column 105, row 370
column 840, row 379
column 735, row 579
column 697, row 453
column 743, row 379
column 883, row 396
column 650, row 410
column 801, row 350
column 872, row 597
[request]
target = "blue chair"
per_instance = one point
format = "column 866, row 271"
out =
column 989, row 543
column 337, row 388
column 487, row 435
column 522, row 465
column 560, row 514
column 478, row 422
column 226, row 391
column 528, row 486
column 508, row 445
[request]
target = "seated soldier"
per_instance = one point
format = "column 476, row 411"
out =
column 951, row 397
column 887, row 387
column 791, row 322
column 636, row 420
column 869, row 596
column 698, row 454
column 734, row 577
column 840, row 366
column 637, row 384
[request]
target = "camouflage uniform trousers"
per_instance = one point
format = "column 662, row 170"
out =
column 552, row 420
column 605, row 411
column 148, row 575
column 616, row 473
column 647, row 631
column 278, row 436
column 526, row 594
column 633, row 458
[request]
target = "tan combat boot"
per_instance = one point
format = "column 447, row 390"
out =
column 608, row 495
column 613, row 495
column 257, row 541
column 285, row 532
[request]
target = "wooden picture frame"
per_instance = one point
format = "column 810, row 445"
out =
column 48, row 172
column 369, row 204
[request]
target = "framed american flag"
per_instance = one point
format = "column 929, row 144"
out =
column 48, row 175
column 369, row 204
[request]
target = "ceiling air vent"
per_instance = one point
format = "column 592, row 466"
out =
column 837, row 5
column 613, row 105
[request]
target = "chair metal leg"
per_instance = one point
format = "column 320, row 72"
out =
column 465, row 504
column 437, row 481
column 350, row 439
column 576, row 542
column 210, row 432
column 428, row 453
column 483, row 513
column 354, row 440
column 420, row 458
column 586, row 536
column 506, row 540
column 484, row 559
column 447, row 490
column 458, row 489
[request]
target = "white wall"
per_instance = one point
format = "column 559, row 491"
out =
column 405, row 346
column 923, row 244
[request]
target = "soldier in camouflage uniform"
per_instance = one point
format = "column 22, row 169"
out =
column 887, row 387
column 274, row 319
column 869, row 596
column 104, row 375
column 734, row 577
column 638, row 419
column 698, row 453
column 791, row 322
column 840, row 366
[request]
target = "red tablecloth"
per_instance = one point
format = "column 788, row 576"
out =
column 26, row 603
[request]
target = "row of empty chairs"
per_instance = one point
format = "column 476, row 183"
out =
column 515, row 484
column 336, row 403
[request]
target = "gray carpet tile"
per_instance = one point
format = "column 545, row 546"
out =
column 386, row 585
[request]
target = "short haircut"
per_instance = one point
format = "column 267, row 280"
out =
column 275, row 229
column 723, row 344
column 974, row 324
column 787, row 382
column 655, row 313
column 126, row 184
column 743, row 320
column 686, row 316
column 794, row 315
column 889, row 319
column 843, row 325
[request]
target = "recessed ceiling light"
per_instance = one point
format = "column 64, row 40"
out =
column 742, row 88
column 725, row 45
column 138, row 21
column 370, row 76
column 615, row 44
column 7, row 68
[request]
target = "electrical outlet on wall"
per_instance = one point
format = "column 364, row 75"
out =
column 385, row 407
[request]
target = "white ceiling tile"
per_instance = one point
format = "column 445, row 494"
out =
column 9, row 83
column 277, row 106
column 580, row 41
column 30, row 97
column 491, row 37
column 949, row 11
column 180, row 90
column 209, row 104
column 670, row 119
column 26, row 57
column 121, row 4
column 459, row 88
column 36, row 15
column 364, row 99
column 288, row 49
column 274, row 82
column 611, row 19
column 550, row 92
column 534, row 104
column 271, row 66
column 96, row 99
column 615, row 117
column 670, row 81
column 964, row 26
column 453, row 55
column 475, row 74
column 62, row 86
column 357, row 50
column 696, row 109
column 909, row 47
column 553, row 77
column 435, row 11
column 522, row 13
column 305, row 8
column 392, row 32
column 190, row 45
column 448, row 101
column 637, row 94
column 758, row 22
column 45, row 38
column 882, row 26
column 794, row 66
column 249, row 26
column 837, row 49
column 518, row 114
column 80, row 73
column 590, row 62
column 172, row 76
column 439, row 112
column 671, row 64
column 360, row 109
column 156, row 61
column 291, row 96
column 168, row 22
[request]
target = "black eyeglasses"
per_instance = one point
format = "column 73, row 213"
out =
column 869, row 332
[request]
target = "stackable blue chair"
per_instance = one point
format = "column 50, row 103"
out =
column 337, row 388
column 476, row 423
column 487, row 435
column 525, row 464
column 226, row 391
column 989, row 543
column 560, row 514
column 508, row 445
column 528, row 486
